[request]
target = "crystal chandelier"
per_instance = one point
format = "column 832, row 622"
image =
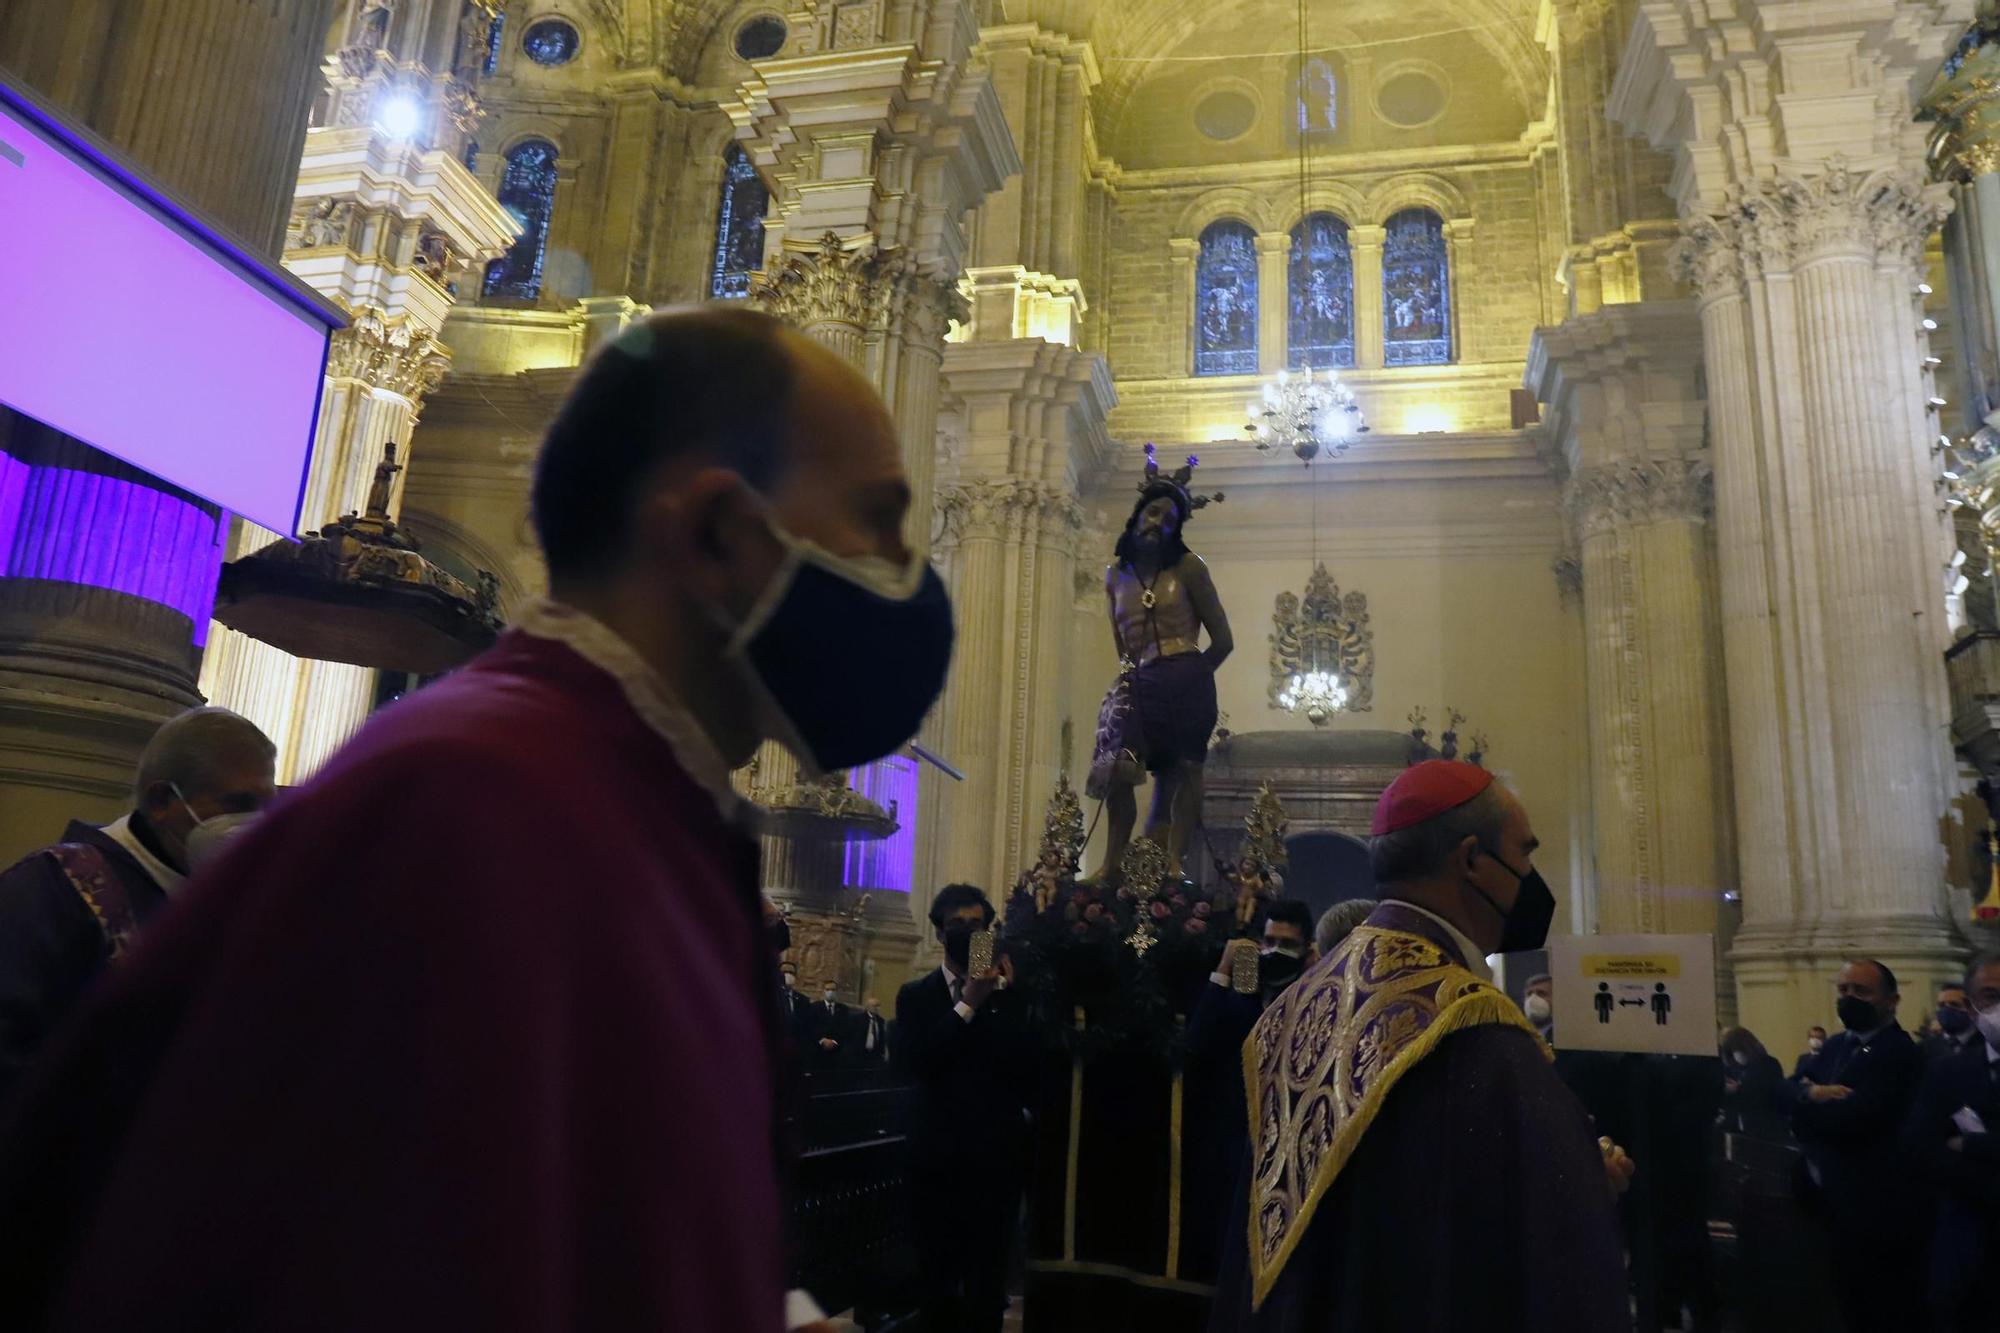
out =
column 1318, row 694
column 1306, row 414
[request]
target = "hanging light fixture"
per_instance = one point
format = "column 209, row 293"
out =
column 1318, row 694
column 1309, row 413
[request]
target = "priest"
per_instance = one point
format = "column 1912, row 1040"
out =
column 476, row 1030
column 1414, row 1163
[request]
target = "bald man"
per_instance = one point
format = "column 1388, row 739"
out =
column 68, row 909
column 476, row 1030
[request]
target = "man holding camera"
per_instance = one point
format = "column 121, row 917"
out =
column 965, row 1043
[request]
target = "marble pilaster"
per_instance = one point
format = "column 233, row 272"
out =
column 1798, row 175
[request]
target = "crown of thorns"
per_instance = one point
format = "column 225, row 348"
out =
column 1175, row 483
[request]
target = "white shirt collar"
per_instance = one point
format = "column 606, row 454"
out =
column 595, row 643
column 162, row 874
column 1475, row 961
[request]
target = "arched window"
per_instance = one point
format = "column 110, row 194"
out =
column 1225, row 301
column 1416, row 291
column 493, row 36
column 739, row 226
column 528, row 191
column 1321, row 326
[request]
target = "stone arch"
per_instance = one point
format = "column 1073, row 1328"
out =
column 1336, row 197
column 1418, row 190
column 1223, row 203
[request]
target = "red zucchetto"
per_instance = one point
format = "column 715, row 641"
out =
column 1425, row 790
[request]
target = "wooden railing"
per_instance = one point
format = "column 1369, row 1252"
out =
column 850, row 1213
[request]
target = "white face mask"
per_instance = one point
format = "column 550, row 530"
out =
column 829, row 995
column 1742, row 1060
column 1813, row 1044
column 790, row 980
column 1538, row 1009
column 1989, row 1024
column 205, row 841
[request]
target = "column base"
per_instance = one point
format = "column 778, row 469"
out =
column 1785, row 971
column 87, row 676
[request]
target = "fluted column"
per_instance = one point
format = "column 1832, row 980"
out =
column 209, row 98
column 1830, row 538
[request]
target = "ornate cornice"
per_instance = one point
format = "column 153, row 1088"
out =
column 1778, row 224
column 1634, row 491
column 395, row 358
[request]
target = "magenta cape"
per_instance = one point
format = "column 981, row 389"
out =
column 470, row 1033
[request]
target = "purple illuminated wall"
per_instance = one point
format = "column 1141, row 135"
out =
column 126, row 324
column 140, row 541
column 890, row 863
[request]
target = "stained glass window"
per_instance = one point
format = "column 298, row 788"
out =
column 528, row 191
column 739, row 226
column 1321, row 324
column 1416, row 291
column 493, row 36
column 1225, row 301
column 1319, row 98
column 550, row 42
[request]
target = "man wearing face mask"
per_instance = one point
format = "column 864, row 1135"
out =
column 1953, row 1136
column 829, row 1028
column 1847, row 1112
column 421, row 1043
column 1538, row 1002
column 1815, row 1043
column 1424, row 1169
column 68, row 909
column 965, row 1044
column 1956, row 1030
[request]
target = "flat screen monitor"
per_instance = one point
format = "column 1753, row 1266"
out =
column 130, row 324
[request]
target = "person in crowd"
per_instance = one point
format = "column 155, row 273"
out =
column 1815, row 1043
column 797, row 1008
column 1538, row 1002
column 1428, row 1171
column 868, row 1042
column 1337, row 922
column 67, row 910
column 1953, row 1135
column 828, row 1027
column 1222, row 1017
column 1847, row 1110
column 420, row 1043
column 1952, row 1020
column 1752, row 1085
column 966, row 1045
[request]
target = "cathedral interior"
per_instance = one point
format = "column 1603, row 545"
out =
column 1671, row 326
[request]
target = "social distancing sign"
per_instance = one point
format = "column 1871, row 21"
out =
column 1646, row 993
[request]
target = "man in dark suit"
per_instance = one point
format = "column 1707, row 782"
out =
column 868, row 1040
column 798, row 1009
column 1847, row 1110
column 1815, row 1043
column 1955, row 1028
column 69, row 909
column 964, row 1041
column 1954, row 1137
column 827, row 1024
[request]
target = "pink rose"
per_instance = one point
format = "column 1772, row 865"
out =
column 1180, row 901
column 1161, row 911
column 1201, row 909
column 1197, row 926
column 1092, row 912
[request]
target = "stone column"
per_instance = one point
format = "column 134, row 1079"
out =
column 1274, row 252
column 1625, row 414
column 386, row 222
column 100, row 631
column 1010, row 525
column 1829, row 533
column 1184, row 253
column 864, row 248
column 1367, row 242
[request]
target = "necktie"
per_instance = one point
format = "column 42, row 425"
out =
column 871, row 1034
column 957, row 988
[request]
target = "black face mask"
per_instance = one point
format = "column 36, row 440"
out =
column 849, row 654
column 1276, row 971
column 1955, row 1022
column 1526, row 927
column 1856, row 1014
column 958, row 944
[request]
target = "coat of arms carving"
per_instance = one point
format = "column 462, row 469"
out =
column 1324, row 631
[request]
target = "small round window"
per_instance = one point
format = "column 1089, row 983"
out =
column 551, row 42
column 761, row 38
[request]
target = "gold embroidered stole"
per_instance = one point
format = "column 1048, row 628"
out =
column 1321, row 1060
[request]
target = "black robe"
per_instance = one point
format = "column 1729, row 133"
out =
column 1476, row 1200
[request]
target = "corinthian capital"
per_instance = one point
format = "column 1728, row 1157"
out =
column 1630, row 492
column 394, row 358
column 826, row 283
column 1007, row 508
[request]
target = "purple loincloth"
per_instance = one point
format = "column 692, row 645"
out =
column 1166, row 718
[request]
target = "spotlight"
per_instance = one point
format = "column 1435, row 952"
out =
column 399, row 116
column 1936, row 401
column 1932, row 363
column 1930, row 326
column 1923, row 289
